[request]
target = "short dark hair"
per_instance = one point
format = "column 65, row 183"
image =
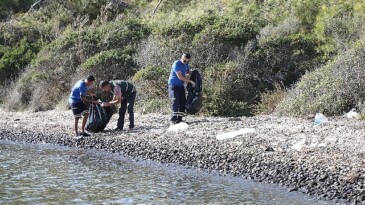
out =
column 103, row 83
column 186, row 55
column 90, row 78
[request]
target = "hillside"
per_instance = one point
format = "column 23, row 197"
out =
column 261, row 56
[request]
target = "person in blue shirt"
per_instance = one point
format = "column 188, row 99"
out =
column 176, row 89
column 77, row 101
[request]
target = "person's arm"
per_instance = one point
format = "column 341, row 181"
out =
column 185, row 79
column 116, row 99
column 83, row 92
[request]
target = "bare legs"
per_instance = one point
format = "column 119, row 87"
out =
column 84, row 120
column 76, row 124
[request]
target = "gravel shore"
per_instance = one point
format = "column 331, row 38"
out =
column 327, row 160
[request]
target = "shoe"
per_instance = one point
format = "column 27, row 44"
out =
column 77, row 137
column 84, row 134
column 173, row 122
column 117, row 129
column 130, row 129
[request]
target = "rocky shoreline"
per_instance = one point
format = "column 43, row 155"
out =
column 327, row 160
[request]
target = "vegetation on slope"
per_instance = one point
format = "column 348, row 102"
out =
column 244, row 50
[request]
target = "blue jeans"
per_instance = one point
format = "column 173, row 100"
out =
column 178, row 102
column 123, row 108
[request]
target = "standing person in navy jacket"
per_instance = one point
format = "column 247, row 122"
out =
column 179, row 70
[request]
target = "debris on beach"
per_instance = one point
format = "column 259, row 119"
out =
column 233, row 134
column 182, row 126
column 353, row 114
column 320, row 119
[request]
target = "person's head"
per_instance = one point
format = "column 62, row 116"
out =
column 89, row 80
column 104, row 85
column 185, row 58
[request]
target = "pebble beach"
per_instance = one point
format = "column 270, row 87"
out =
column 326, row 160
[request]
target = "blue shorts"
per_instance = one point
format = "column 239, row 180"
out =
column 79, row 109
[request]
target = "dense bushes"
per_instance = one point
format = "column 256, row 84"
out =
column 111, row 64
column 14, row 59
column 151, row 83
column 243, row 49
column 331, row 89
column 227, row 91
column 8, row 7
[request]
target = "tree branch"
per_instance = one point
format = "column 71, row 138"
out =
column 37, row 5
column 158, row 4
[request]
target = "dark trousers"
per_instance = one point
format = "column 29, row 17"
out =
column 123, row 108
column 178, row 102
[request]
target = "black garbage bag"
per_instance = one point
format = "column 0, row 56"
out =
column 98, row 118
column 194, row 100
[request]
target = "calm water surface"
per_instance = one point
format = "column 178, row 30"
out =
column 45, row 174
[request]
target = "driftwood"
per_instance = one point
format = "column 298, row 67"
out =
column 37, row 5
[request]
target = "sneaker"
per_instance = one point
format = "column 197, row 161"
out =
column 84, row 134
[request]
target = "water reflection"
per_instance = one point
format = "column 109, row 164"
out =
column 44, row 174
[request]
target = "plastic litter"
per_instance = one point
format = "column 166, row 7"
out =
column 178, row 127
column 353, row 114
column 299, row 145
column 320, row 119
column 233, row 134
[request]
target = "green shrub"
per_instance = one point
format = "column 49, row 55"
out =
column 270, row 99
column 63, row 44
column 151, row 83
column 216, row 42
column 3, row 50
column 226, row 92
column 175, row 28
column 89, row 8
column 13, row 60
column 242, row 48
column 88, row 43
column 111, row 64
column 210, row 39
column 306, row 11
column 285, row 58
column 8, row 7
column 339, row 25
column 331, row 89
column 13, row 34
column 157, row 51
column 233, row 30
column 167, row 6
column 122, row 33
